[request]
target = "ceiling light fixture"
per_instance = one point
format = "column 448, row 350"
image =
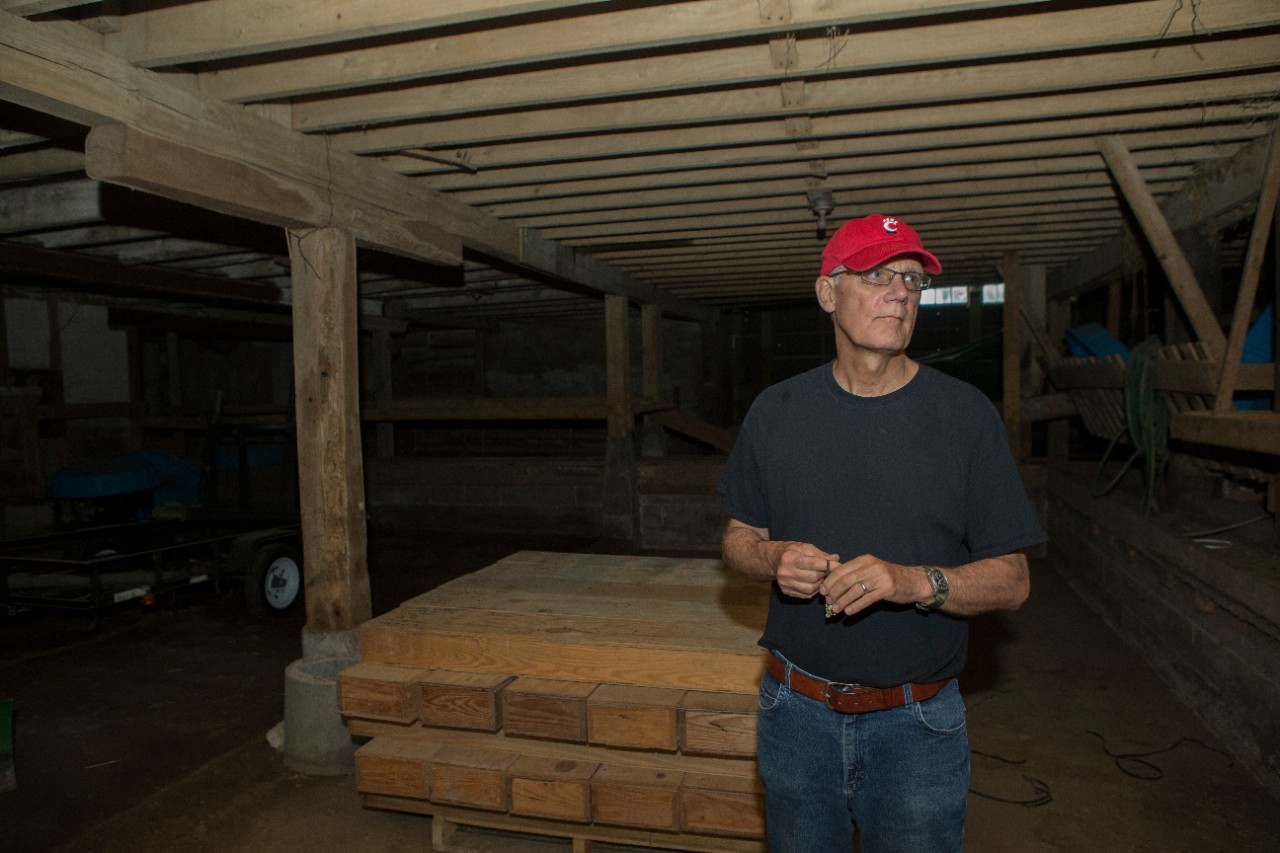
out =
column 821, row 202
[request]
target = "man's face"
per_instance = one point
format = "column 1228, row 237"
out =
column 872, row 318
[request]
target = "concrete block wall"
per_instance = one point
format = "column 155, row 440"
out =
column 1207, row 621
column 679, row 506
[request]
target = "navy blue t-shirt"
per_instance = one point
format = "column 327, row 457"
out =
column 921, row 476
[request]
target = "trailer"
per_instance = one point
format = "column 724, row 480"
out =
column 95, row 569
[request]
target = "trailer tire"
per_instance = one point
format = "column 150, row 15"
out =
column 273, row 584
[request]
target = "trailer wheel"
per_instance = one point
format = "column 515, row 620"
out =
column 273, row 584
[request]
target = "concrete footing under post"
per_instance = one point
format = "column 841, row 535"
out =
column 316, row 740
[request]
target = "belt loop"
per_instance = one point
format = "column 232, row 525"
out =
column 906, row 692
column 787, row 667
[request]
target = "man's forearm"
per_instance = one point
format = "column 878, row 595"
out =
column 747, row 551
column 984, row 586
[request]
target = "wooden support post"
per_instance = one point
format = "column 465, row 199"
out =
column 1059, row 430
column 1229, row 365
column 1031, row 305
column 619, row 516
column 4, row 345
column 1114, row 303
column 765, row 352
column 651, row 335
column 173, row 378
column 55, row 391
column 137, row 403
column 973, row 312
column 1011, row 409
column 381, row 380
column 1163, row 243
column 653, row 438
column 717, row 346
column 330, row 469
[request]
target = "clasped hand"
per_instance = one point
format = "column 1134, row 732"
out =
column 803, row 571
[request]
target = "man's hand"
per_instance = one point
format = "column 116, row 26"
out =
column 983, row 586
column 798, row 567
column 802, row 568
column 856, row 585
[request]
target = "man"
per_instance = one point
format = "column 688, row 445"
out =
column 881, row 499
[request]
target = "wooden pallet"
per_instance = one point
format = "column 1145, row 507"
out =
column 455, row 830
column 581, row 697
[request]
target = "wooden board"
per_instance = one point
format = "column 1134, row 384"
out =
column 557, row 788
column 395, row 766
column 546, row 708
column 451, row 830
column 574, row 695
column 661, row 622
column 719, row 723
column 465, row 700
column 379, row 692
column 636, row 796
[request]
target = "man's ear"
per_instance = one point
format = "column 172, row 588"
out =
column 825, row 288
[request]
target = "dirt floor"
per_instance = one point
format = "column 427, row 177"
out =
column 149, row 732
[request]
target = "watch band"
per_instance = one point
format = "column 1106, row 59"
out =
column 941, row 589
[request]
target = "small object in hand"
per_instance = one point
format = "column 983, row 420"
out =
column 827, row 609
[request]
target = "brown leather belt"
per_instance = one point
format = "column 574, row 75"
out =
column 850, row 698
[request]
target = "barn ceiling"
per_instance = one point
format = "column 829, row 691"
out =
column 685, row 146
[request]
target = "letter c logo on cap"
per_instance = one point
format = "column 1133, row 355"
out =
column 891, row 225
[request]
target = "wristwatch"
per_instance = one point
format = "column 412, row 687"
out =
column 940, row 589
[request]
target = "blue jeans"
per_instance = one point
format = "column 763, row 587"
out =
column 900, row 777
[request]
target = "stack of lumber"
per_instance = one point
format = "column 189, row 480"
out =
column 592, row 698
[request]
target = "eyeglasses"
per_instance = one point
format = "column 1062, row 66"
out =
column 883, row 277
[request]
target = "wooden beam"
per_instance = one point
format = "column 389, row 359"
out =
column 39, row 7
column 129, row 157
column 1255, row 431
column 487, row 409
column 1047, row 347
column 920, row 89
column 1011, row 401
column 1181, row 377
column 1127, row 109
column 768, row 165
column 1249, row 275
column 600, row 35
column 617, row 365
column 41, row 164
column 170, row 35
column 621, row 88
column 1214, row 192
column 200, row 327
column 620, row 511
column 59, row 69
column 1163, row 242
column 85, row 272
column 60, row 204
column 330, row 465
column 708, row 433
column 651, row 346
column 1048, row 407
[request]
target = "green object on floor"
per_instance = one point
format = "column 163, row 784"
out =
column 8, row 779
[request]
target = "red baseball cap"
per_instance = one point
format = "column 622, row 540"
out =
column 863, row 244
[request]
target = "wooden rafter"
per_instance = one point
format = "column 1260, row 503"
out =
column 1156, row 229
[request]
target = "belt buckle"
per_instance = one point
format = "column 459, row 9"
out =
column 839, row 688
